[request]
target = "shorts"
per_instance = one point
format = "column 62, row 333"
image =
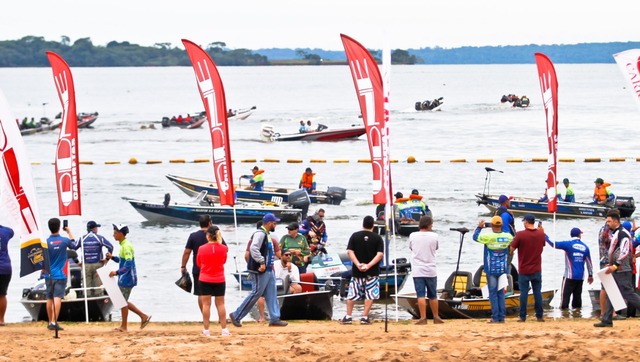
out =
column 364, row 288
column 4, row 283
column 196, row 285
column 55, row 288
column 126, row 292
column 426, row 283
column 212, row 289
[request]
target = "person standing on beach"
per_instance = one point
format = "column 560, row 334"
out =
column 194, row 242
column 423, row 245
column 6, row 234
column 365, row 249
column 530, row 244
column 92, row 244
column 260, row 267
column 56, row 279
column 577, row 255
column 496, row 256
column 127, row 276
column 211, row 258
column 619, row 264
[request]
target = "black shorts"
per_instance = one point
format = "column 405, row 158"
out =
column 196, row 285
column 212, row 289
column 4, row 283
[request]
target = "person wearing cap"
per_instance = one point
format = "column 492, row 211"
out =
column 569, row 195
column 545, row 196
column 423, row 245
column 315, row 230
column 619, row 265
column 508, row 221
column 256, row 179
column 303, row 127
column 577, row 255
column 496, row 263
column 92, row 245
column 601, row 193
column 56, row 279
column 285, row 268
column 308, row 181
column 260, row 267
column 530, row 244
column 127, row 276
column 297, row 245
column 416, row 205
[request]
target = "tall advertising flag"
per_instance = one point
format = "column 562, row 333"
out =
column 629, row 63
column 549, row 88
column 67, row 170
column 18, row 193
column 369, row 87
column 215, row 104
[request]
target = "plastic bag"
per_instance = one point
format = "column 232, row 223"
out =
column 185, row 282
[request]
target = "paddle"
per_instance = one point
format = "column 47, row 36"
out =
column 462, row 231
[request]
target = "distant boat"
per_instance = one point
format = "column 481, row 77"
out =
column 433, row 106
column 85, row 120
column 268, row 134
column 190, row 123
column 240, row 114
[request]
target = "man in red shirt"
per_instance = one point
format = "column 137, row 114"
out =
column 529, row 243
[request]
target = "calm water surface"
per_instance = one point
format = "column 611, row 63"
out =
column 597, row 116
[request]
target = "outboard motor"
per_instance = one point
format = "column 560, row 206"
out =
column 335, row 195
column 321, row 127
column 166, row 122
column 167, row 198
column 626, row 205
column 299, row 199
column 418, row 106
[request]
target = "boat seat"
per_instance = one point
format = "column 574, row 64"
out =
column 462, row 281
column 309, row 282
column 479, row 278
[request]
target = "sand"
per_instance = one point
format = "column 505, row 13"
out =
column 557, row 340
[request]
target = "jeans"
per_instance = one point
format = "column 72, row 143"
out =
column 496, row 298
column 263, row 284
column 536, row 284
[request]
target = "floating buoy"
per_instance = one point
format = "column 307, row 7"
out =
column 411, row 159
column 133, row 161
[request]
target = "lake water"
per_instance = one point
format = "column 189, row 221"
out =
column 597, row 116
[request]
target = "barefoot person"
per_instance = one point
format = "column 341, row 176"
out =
column 423, row 245
column 211, row 258
column 127, row 276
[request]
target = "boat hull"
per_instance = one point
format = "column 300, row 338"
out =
column 522, row 205
column 326, row 135
column 316, row 305
column 72, row 310
column 184, row 213
column 193, row 187
column 463, row 308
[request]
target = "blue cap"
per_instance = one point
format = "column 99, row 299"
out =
column 269, row 217
column 575, row 232
column 529, row 218
column 627, row 225
column 502, row 199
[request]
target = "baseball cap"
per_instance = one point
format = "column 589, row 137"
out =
column 308, row 169
column 284, row 251
column 496, row 220
column 293, row 226
column 398, row 195
column 123, row 228
column 627, row 225
column 598, row 181
column 575, row 232
column 92, row 224
column 414, row 192
column 502, row 198
column 269, row 217
column 529, row 218
column 565, row 181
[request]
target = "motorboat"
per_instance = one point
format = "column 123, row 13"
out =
column 322, row 133
column 189, row 122
column 180, row 213
column 192, row 187
column 240, row 114
column 433, row 106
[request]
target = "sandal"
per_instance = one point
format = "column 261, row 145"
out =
column 145, row 322
column 119, row 329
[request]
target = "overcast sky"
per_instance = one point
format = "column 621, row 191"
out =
column 254, row 24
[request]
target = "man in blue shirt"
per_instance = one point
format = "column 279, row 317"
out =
column 92, row 245
column 508, row 222
column 56, row 279
column 576, row 256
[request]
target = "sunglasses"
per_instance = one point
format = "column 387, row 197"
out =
column 287, row 254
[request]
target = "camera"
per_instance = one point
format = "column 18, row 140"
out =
column 65, row 224
column 487, row 224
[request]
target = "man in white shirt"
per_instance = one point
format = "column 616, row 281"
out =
column 284, row 267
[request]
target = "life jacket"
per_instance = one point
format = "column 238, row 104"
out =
column 600, row 194
column 307, row 180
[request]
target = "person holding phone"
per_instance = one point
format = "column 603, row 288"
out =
column 56, row 279
column 530, row 244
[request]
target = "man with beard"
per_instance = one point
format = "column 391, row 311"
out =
column 260, row 267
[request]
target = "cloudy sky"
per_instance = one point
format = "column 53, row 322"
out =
column 254, row 24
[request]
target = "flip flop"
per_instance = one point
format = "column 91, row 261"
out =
column 145, row 322
column 119, row 329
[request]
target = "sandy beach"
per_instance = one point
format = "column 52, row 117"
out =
column 557, row 340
